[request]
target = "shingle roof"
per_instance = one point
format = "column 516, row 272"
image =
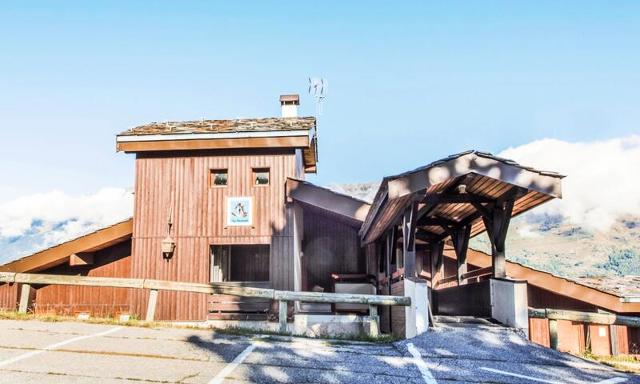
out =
column 485, row 155
column 223, row 126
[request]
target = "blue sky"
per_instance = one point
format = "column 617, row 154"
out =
column 409, row 82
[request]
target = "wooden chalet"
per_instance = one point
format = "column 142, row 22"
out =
column 226, row 202
column 220, row 201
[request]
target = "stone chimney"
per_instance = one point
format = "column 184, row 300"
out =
column 289, row 104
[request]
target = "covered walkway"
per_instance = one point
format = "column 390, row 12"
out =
column 451, row 200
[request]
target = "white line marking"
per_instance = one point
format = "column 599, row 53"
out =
column 56, row 345
column 519, row 375
column 613, row 380
column 219, row 378
column 422, row 366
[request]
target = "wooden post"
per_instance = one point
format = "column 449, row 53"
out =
column 496, row 221
column 282, row 316
column 390, row 247
column 151, row 305
column 553, row 334
column 437, row 263
column 374, row 321
column 613, row 336
column 25, row 294
column 408, row 240
column 298, row 229
column 460, row 239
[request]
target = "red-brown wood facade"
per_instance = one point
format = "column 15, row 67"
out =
column 114, row 261
column 178, row 183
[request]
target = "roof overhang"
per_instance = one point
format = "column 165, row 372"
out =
column 347, row 207
column 200, row 141
column 504, row 170
column 487, row 179
column 59, row 254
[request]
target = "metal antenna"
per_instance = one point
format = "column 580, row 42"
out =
column 318, row 88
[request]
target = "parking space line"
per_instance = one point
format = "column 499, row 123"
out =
column 56, row 345
column 219, row 378
column 519, row 376
column 427, row 376
column 613, row 380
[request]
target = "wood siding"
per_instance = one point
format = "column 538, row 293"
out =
column 179, row 182
column 329, row 246
column 114, row 261
column 8, row 297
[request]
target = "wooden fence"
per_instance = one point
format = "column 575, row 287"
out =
column 588, row 318
column 29, row 279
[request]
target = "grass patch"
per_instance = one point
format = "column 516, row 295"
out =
column 132, row 322
column 624, row 363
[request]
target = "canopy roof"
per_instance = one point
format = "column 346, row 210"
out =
column 454, row 191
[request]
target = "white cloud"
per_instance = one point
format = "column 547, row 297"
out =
column 602, row 183
column 60, row 216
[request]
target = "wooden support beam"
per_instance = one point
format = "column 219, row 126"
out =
column 152, row 304
column 282, row 316
column 449, row 198
column 409, row 240
column 460, row 240
column 25, row 298
column 496, row 217
column 437, row 221
column 429, row 237
column 389, row 249
column 437, row 263
column 81, row 258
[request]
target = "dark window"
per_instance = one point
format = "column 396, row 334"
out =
column 219, row 177
column 261, row 176
column 239, row 263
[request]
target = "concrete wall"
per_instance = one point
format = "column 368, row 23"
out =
column 509, row 303
column 417, row 314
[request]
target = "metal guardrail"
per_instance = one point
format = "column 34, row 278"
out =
column 29, row 279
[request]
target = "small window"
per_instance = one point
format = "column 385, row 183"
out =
column 219, row 177
column 261, row 176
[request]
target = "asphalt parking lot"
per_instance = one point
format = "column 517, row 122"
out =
column 68, row 352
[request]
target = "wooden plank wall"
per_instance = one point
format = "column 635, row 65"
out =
column 179, row 182
column 329, row 246
column 8, row 297
column 542, row 298
column 572, row 337
column 114, row 261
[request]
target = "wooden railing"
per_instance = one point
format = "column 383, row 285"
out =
column 29, row 279
column 465, row 277
column 553, row 315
